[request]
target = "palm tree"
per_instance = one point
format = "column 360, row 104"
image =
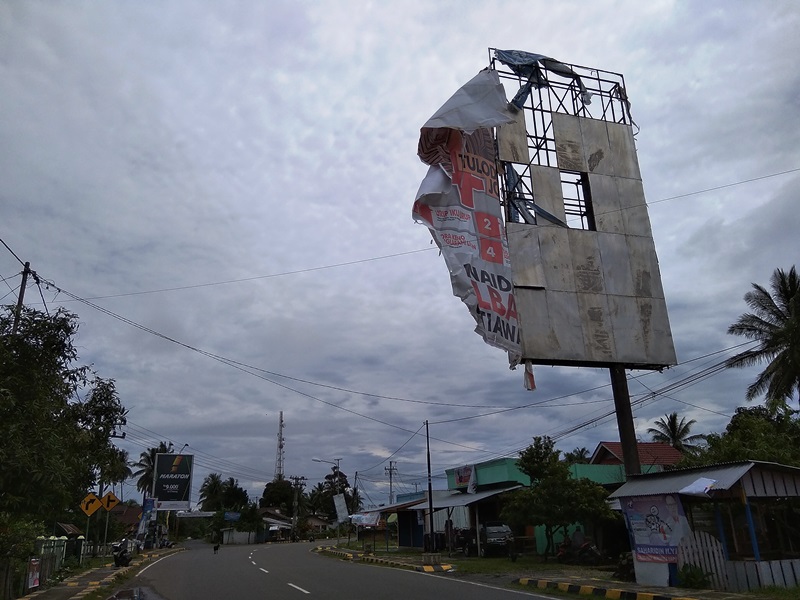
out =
column 212, row 492
column 577, row 456
column 147, row 468
column 234, row 497
column 677, row 434
column 775, row 325
column 316, row 498
column 117, row 469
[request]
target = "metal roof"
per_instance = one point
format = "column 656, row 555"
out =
column 757, row 478
column 461, row 499
column 670, row 482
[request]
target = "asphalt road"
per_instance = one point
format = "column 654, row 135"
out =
column 293, row 572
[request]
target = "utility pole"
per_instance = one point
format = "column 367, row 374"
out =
column 391, row 469
column 279, row 454
column 432, row 543
column 25, row 272
column 298, row 484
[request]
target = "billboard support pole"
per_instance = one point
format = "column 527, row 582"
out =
column 627, row 433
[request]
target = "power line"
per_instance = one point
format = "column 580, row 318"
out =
column 397, row 254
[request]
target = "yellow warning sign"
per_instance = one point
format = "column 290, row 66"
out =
column 109, row 501
column 90, row 504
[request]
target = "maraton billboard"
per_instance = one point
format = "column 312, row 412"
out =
column 172, row 481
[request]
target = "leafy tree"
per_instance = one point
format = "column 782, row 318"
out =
column 212, row 493
column 17, row 536
column 554, row 499
column 147, row 468
column 53, row 443
column 56, row 422
column 278, row 493
column 321, row 497
column 775, row 325
column 541, row 460
column 753, row 433
column 677, row 434
column 250, row 520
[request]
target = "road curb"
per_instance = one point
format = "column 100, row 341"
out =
column 359, row 556
column 597, row 592
column 435, row 568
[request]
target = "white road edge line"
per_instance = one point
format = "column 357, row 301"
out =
column 299, row 588
column 154, row 562
column 265, row 571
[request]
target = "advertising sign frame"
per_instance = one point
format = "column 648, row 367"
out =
column 172, row 481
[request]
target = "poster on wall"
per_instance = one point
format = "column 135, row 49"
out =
column 656, row 525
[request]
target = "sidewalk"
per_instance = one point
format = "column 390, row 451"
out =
column 589, row 582
column 84, row 583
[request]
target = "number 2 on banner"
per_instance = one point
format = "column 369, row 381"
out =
column 489, row 224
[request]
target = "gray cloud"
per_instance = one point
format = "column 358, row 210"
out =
column 145, row 149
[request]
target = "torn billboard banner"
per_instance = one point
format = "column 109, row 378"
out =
column 459, row 201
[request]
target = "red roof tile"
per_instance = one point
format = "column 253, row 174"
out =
column 650, row 453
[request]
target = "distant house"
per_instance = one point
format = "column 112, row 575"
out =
column 128, row 516
column 317, row 524
column 650, row 454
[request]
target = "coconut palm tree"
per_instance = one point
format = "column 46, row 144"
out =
column 676, row 433
column 775, row 325
column 317, row 498
column 147, row 468
column 212, row 492
column 577, row 456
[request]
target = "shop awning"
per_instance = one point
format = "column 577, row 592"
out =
column 461, row 499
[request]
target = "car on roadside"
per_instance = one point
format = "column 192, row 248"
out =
column 496, row 539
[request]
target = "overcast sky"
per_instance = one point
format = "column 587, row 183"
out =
column 238, row 177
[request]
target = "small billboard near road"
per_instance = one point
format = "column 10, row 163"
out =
column 172, row 482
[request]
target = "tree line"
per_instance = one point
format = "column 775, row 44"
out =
column 58, row 419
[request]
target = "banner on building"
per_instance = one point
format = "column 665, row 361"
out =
column 368, row 519
column 148, row 514
column 172, row 481
column 466, row 478
column 459, row 201
column 656, row 525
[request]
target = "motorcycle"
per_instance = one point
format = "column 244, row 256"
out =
column 585, row 554
column 121, row 554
